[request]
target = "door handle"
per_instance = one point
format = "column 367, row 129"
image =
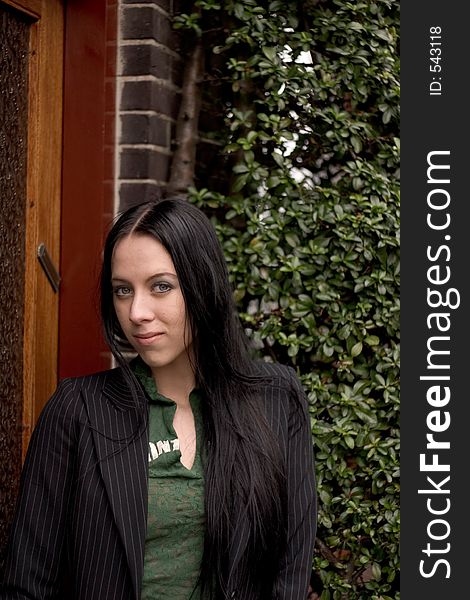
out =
column 48, row 267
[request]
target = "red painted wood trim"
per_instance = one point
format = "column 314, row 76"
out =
column 87, row 188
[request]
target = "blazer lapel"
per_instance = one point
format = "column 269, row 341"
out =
column 121, row 440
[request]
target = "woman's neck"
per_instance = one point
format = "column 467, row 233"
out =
column 175, row 381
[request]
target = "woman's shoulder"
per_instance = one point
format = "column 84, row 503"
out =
column 284, row 398
column 97, row 376
column 96, row 380
column 70, row 393
column 91, row 381
column 276, row 374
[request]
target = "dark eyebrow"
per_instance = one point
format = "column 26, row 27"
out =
column 121, row 280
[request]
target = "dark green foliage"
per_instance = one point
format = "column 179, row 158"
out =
column 310, row 226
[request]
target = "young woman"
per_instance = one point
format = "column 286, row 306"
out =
column 186, row 472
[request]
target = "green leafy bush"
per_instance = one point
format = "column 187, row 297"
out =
column 309, row 221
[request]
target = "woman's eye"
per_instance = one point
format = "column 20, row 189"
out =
column 161, row 287
column 122, row 290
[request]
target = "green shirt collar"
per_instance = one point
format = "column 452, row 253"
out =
column 144, row 374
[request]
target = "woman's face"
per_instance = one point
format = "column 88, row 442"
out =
column 149, row 303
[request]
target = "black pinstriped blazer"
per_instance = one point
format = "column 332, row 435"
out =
column 80, row 523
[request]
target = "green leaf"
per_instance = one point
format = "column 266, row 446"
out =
column 356, row 349
column 372, row 340
column 376, row 571
column 240, row 168
column 292, row 239
column 270, row 53
column 278, row 159
column 356, row 143
column 387, row 115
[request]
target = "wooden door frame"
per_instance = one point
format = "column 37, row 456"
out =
column 43, row 200
column 69, row 73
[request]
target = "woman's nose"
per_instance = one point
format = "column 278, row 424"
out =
column 140, row 309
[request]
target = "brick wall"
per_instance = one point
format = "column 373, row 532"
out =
column 148, row 95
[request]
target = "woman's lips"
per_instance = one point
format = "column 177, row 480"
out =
column 145, row 339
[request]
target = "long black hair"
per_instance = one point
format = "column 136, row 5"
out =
column 245, row 479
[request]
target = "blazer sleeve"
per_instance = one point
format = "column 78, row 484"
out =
column 294, row 576
column 37, row 537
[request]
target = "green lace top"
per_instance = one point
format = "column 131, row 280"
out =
column 175, row 523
